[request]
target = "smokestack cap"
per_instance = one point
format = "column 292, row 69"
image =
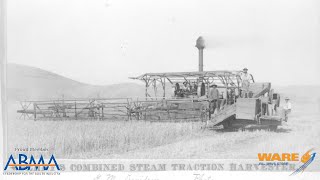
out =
column 200, row 43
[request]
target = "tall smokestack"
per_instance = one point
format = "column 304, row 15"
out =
column 200, row 45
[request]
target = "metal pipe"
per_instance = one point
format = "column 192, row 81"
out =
column 200, row 45
column 200, row 60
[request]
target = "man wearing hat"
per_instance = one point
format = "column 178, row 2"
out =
column 287, row 108
column 213, row 98
column 245, row 77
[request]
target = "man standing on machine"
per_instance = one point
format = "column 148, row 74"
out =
column 213, row 98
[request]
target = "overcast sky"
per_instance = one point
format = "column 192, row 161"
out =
column 106, row 41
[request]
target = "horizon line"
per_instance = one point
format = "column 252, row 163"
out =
column 126, row 82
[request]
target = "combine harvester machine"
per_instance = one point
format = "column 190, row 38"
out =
column 176, row 96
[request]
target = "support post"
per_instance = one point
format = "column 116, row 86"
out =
column 164, row 87
column 208, row 87
column 227, row 81
column 75, row 110
column 201, row 60
column 146, row 90
column 155, row 88
column 35, row 111
column 102, row 113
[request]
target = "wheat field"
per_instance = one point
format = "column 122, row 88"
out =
column 84, row 139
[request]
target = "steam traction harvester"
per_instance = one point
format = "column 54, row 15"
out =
column 186, row 100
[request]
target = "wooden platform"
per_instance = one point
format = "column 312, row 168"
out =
column 247, row 108
column 222, row 115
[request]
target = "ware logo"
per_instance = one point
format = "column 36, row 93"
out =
column 278, row 157
column 306, row 159
column 23, row 163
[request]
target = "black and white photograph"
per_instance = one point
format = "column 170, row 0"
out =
column 175, row 85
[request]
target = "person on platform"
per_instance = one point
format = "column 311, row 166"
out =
column 185, row 86
column 213, row 99
column 287, row 108
column 231, row 94
column 177, row 90
column 245, row 78
column 203, row 89
column 195, row 86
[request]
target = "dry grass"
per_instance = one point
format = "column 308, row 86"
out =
column 84, row 139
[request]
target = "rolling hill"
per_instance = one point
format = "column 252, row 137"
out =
column 30, row 83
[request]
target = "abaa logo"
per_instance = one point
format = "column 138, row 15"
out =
column 25, row 163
